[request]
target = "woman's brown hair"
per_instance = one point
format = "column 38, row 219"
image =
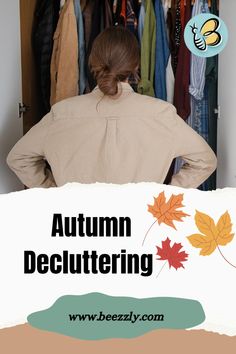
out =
column 115, row 56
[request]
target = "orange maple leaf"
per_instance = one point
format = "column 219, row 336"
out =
column 166, row 212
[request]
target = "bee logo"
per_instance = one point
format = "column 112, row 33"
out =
column 208, row 35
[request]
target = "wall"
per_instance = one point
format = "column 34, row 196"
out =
column 10, row 89
column 226, row 176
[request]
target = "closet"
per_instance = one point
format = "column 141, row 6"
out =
column 32, row 97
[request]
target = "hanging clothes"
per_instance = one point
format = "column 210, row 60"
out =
column 45, row 22
column 107, row 14
column 170, row 79
column 93, row 14
column 101, row 18
column 87, row 16
column 165, row 5
column 197, row 79
column 141, row 21
column 148, row 47
column 64, row 64
column 170, row 21
column 181, row 93
column 170, row 82
column 199, row 117
column 181, row 89
column 116, row 6
column 177, row 35
column 162, row 52
column 83, row 3
column 136, row 4
column 131, row 19
column 81, row 45
column 182, row 14
column 123, row 12
column 198, row 64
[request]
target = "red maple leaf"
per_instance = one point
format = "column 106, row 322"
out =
column 172, row 254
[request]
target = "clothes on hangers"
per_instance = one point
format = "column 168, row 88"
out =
column 199, row 117
column 170, row 79
column 198, row 64
column 182, row 13
column 123, row 11
column 181, row 89
column 64, row 63
column 100, row 20
column 87, row 16
column 177, row 35
column 170, row 82
column 148, row 47
column 83, row 3
column 45, row 22
column 197, row 80
column 181, row 92
column 107, row 11
column 131, row 20
column 141, row 21
column 116, row 6
column 165, row 4
column 162, row 52
column 81, row 45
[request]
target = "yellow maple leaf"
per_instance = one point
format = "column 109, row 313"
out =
column 166, row 212
column 224, row 227
column 213, row 234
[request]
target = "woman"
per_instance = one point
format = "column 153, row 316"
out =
column 112, row 134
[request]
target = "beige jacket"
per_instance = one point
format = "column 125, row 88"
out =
column 91, row 138
column 64, row 62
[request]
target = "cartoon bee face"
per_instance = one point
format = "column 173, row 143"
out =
column 208, row 35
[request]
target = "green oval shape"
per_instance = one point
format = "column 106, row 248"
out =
column 163, row 312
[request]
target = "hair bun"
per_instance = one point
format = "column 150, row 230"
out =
column 107, row 82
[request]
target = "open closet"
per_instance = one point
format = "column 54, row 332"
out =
column 56, row 40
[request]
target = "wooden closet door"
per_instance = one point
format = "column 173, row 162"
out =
column 29, row 87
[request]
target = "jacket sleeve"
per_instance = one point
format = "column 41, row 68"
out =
column 27, row 158
column 199, row 159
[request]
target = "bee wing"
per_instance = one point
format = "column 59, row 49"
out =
column 213, row 39
column 210, row 25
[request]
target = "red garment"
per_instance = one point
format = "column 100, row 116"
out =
column 182, row 13
column 123, row 11
column 181, row 92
